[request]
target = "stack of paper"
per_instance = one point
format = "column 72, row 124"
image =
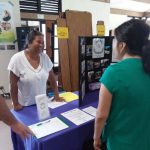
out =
column 55, row 104
column 90, row 110
column 69, row 96
column 47, row 127
column 77, row 116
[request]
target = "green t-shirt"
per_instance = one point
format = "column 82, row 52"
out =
column 128, row 124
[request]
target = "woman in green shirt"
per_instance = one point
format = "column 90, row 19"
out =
column 123, row 113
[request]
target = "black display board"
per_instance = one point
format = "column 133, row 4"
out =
column 95, row 55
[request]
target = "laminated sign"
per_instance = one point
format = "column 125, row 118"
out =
column 62, row 32
column 100, row 30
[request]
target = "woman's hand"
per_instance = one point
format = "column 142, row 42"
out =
column 97, row 144
column 17, row 107
column 58, row 99
column 22, row 130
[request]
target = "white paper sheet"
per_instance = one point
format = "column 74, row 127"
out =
column 90, row 110
column 77, row 116
column 55, row 104
column 47, row 127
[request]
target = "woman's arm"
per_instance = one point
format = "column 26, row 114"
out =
column 5, row 114
column 14, row 91
column 54, row 86
column 105, row 99
column 7, row 117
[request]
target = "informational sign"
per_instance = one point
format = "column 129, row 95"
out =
column 100, row 30
column 62, row 32
column 42, row 106
column 98, row 47
column 40, row 16
column 7, row 29
column 6, row 23
column 77, row 116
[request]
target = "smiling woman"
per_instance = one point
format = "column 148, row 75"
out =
column 29, row 71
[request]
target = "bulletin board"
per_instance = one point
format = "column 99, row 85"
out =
column 95, row 55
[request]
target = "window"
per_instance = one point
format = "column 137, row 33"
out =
column 23, row 23
column 41, row 6
column 34, row 23
column 40, row 25
column 44, row 33
column 56, row 50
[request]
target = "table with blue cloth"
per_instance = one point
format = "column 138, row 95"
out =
column 72, row 138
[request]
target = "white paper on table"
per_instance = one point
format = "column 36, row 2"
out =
column 55, row 104
column 77, row 116
column 47, row 127
column 90, row 110
column 42, row 106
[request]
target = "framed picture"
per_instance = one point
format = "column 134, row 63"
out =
column 90, row 65
column 97, row 64
column 97, row 75
column 90, row 76
column 88, row 50
column 98, row 48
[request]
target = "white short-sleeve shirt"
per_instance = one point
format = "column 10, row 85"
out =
column 32, row 81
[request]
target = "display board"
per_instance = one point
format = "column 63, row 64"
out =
column 95, row 55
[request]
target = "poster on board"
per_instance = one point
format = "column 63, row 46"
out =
column 7, row 29
column 98, row 48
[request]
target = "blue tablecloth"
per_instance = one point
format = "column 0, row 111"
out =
column 71, row 138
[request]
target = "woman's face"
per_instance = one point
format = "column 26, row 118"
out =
column 38, row 44
column 118, row 49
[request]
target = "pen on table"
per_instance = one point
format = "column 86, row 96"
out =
column 39, row 124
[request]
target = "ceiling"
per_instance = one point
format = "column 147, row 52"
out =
column 132, row 5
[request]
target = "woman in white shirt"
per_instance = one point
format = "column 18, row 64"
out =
column 29, row 71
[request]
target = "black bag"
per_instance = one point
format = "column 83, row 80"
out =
column 104, row 147
column 88, row 145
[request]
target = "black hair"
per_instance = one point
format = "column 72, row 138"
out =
column 31, row 36
column 135, row 34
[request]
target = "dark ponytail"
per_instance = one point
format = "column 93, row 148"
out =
column 146, row 57
column 135, row 34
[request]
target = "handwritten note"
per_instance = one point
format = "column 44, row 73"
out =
column 62, row 32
